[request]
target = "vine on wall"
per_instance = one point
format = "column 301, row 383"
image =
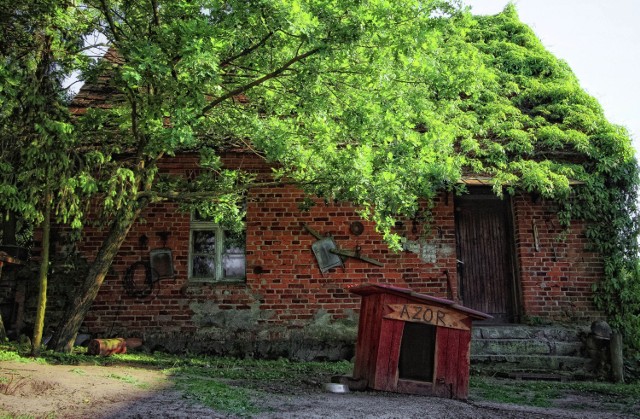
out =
column 538, row 131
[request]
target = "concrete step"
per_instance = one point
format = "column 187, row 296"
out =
column 554, row 333
column 516, row 363
column 538, row 349
column 525, row 346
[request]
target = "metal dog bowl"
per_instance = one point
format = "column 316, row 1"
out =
column 336, row 388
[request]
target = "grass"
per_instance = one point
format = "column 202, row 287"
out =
column 620, row 397
column 228, row 384
column 529, row 393
column 128, row 379
column 202, row 379
column 125, row 378
column 5, row 415
column 218, row 395
column 10, row 355
column 252, row 369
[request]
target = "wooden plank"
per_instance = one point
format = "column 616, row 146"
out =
column 368, row 339
column 313, row 232
column 429, row 314
column 342, row 252
column 388, row 354
column 386, row 377
column 356, row 255
column 362, row 341
column 416, row 298
column 415, row 387
column 452, row 360
column 441, row 387
column 464, row 351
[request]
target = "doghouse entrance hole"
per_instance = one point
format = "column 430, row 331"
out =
column 417, row 352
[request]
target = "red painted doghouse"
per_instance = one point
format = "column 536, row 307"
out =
column 413, row 343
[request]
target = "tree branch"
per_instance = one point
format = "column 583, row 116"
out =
column 257, row 82
column 182, row 196
column 247, row 51
column 154, row 7
column 112, row 25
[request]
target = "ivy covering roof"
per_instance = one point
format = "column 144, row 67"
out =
column 532, row 123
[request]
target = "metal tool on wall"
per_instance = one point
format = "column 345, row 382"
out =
column 161, row 259
column 329, row 255
column 140, row 278
column 536, row 239
column 324, row 250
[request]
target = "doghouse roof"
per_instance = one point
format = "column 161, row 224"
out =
column 369, row 289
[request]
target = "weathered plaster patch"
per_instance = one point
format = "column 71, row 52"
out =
column 324, row 327
column 244, row 333
column 428, row 251
column 209, row 315
column 412, row 246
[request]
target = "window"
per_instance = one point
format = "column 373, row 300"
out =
column 215, row 254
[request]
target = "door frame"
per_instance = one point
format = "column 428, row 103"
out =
column 515, row 297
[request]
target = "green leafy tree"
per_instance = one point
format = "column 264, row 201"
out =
column 39, row 43
column 327, row 98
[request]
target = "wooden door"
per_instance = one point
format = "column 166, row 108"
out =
column 485, row 255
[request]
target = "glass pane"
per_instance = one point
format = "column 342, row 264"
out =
column 233, row 259
column 203, row 267
column 204, row 241
column 233, row 263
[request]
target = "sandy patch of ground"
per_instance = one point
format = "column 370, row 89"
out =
column 102, row 392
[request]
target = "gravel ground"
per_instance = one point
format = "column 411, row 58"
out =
column 102, row 392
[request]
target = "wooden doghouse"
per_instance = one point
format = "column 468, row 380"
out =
column 413, row 343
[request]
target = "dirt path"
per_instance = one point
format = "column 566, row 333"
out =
column 101, row 392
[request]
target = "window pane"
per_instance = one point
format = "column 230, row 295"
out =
column 204, row 241
column 233, row 258
column 233, row 263
column 203, row 267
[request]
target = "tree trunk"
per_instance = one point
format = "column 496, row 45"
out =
column 3, row 332
column 8, row 238
column 65, row 334
column 38, row 327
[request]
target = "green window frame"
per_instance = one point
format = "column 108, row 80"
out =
column 215, row 254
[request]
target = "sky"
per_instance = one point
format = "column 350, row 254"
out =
column 599, row 39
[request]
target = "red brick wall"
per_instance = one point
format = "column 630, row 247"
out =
column 556, row 277
column 283, row 278
column 291, row 283
column 285, row 289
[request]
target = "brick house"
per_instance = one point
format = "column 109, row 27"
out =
column 183, row 283
column 265, row 293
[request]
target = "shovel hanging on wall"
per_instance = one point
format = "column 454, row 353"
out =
column 327, row 259
column 330, row 256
